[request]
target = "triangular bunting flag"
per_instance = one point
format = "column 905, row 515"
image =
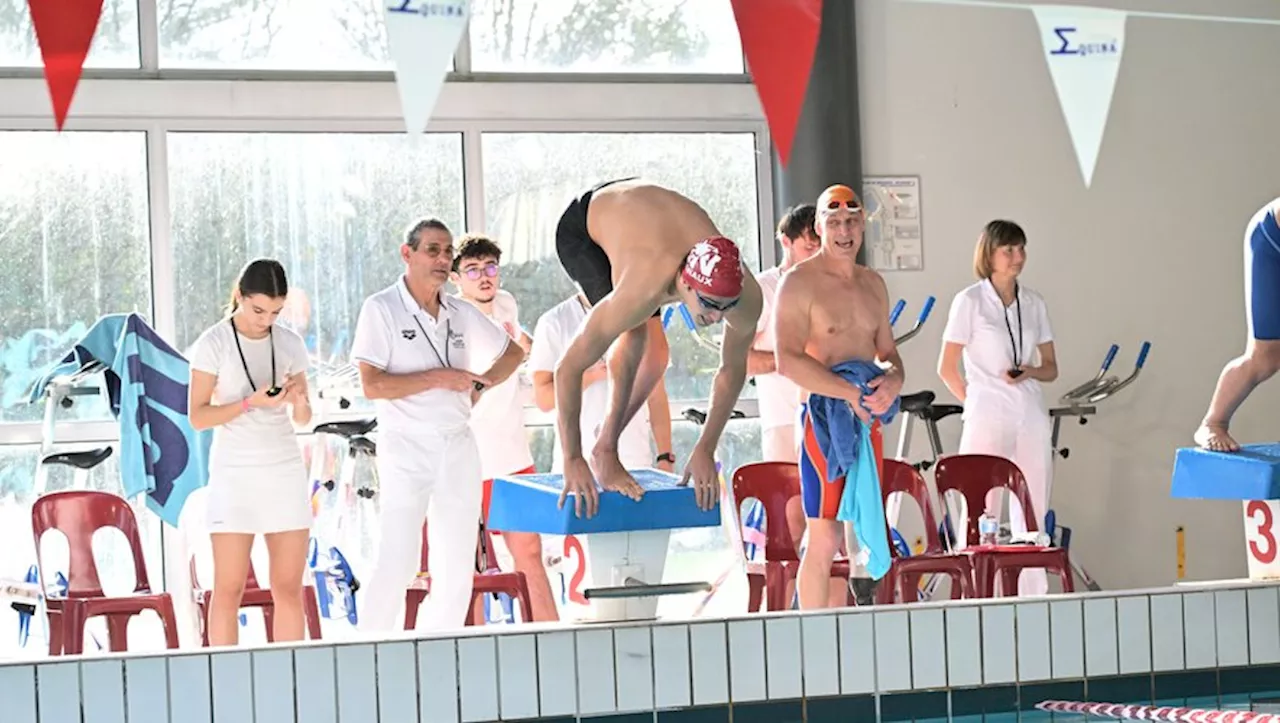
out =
column 423, row 35
column 1083, row 47
column 779, row 39
column 64, row 31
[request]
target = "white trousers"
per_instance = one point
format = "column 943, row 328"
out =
column 435, row 475
column 1022, row 435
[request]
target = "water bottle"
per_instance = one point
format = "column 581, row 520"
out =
column 988, row 526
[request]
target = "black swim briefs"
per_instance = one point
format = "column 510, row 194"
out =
column 582, row 258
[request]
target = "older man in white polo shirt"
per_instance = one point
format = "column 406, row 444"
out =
column 413, row 346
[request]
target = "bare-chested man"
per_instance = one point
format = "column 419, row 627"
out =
column 633, row 247
column 1261, row 358
column 830, row 311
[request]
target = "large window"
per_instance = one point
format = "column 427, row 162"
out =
column 115, row 45
column 74, row 239
column 605, row 36
column 530, row 177
column 331, row 207
column 274, row 34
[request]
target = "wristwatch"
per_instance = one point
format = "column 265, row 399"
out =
column 666, row 457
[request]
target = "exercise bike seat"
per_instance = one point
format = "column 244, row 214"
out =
column 921, row 404
column 699, row 417
column 917, row 403
column 365, row 445
column 347, row 430
column 88, row 459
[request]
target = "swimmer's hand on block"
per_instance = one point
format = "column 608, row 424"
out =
column 1253, row 473
column 528, row 503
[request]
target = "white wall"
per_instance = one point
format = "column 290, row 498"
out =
column 1153, row 251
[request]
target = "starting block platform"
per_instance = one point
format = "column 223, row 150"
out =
column 1251, row 475
column 618, row 555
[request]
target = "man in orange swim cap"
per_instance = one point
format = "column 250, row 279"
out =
column 834, row 340
column 632, row 247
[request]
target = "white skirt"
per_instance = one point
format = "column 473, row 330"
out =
column 259, row 500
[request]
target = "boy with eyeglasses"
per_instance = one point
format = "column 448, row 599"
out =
column 498, row 416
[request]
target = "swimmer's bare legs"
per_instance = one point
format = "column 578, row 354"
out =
column 636, row 365
column 1259, row 363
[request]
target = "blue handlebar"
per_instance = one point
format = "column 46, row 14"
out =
column 928, row 307
column 1142, row 355
column 1111, row 356
column 897, row 311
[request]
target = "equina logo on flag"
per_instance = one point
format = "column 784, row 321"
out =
column 1072, row 45
column 1083, row 47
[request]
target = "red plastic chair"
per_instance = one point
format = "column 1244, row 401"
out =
column 774, row 484
column 974, row 476
column 489, row 581
column 78, row 515
column 255, row 596
column 904, row 574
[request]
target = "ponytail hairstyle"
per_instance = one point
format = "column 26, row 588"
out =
column 260, row 276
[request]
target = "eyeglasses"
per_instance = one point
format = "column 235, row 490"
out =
column 716, row 305
column 851, row 205
column 490, row 270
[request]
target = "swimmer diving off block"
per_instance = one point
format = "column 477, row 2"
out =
column 633, row 247
column 1261, row 357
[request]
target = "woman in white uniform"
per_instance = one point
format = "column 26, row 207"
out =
column 249, row 385
column 1001, row 330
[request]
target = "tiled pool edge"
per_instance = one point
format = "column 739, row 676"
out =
column 911, row 662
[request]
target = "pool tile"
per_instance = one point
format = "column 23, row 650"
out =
column 840, row 710
column 912, row 706
column 1120, row 689
column 975, row 701
column 1189, row 684
column 704, row 714
column 774, row 711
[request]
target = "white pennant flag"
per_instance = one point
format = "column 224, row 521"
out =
column 423, row 35
column 1083, row 46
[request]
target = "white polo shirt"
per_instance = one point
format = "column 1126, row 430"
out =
column 777, row 396
column 551, row 337
column 988, row 330
column 498, row 418
column 395, row 335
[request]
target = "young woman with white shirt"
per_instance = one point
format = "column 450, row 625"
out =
column 249, row 385
column 1001, row 330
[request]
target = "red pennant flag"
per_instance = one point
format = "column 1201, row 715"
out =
column 64, row 30
column 779, row 38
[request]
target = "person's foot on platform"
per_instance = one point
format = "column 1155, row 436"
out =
column 1214, row 437
column 864, row 590
column 612, row 475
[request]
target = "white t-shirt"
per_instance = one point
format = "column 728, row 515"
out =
column 551, row 337
column 777, row 396
column 498, row 418
column 260, row 437
column 397, row 336
column 980, row 321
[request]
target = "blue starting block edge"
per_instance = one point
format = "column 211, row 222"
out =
column 527, row 503
column 1253, row 473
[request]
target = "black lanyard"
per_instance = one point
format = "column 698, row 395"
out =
column 1014, row 344
column 271, row 339
column 448, row 330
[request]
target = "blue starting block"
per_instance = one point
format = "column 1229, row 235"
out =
column 527, row 503
column 618, row 556
column 1251, row 475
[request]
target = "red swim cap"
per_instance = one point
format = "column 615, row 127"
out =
column 714, row 267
